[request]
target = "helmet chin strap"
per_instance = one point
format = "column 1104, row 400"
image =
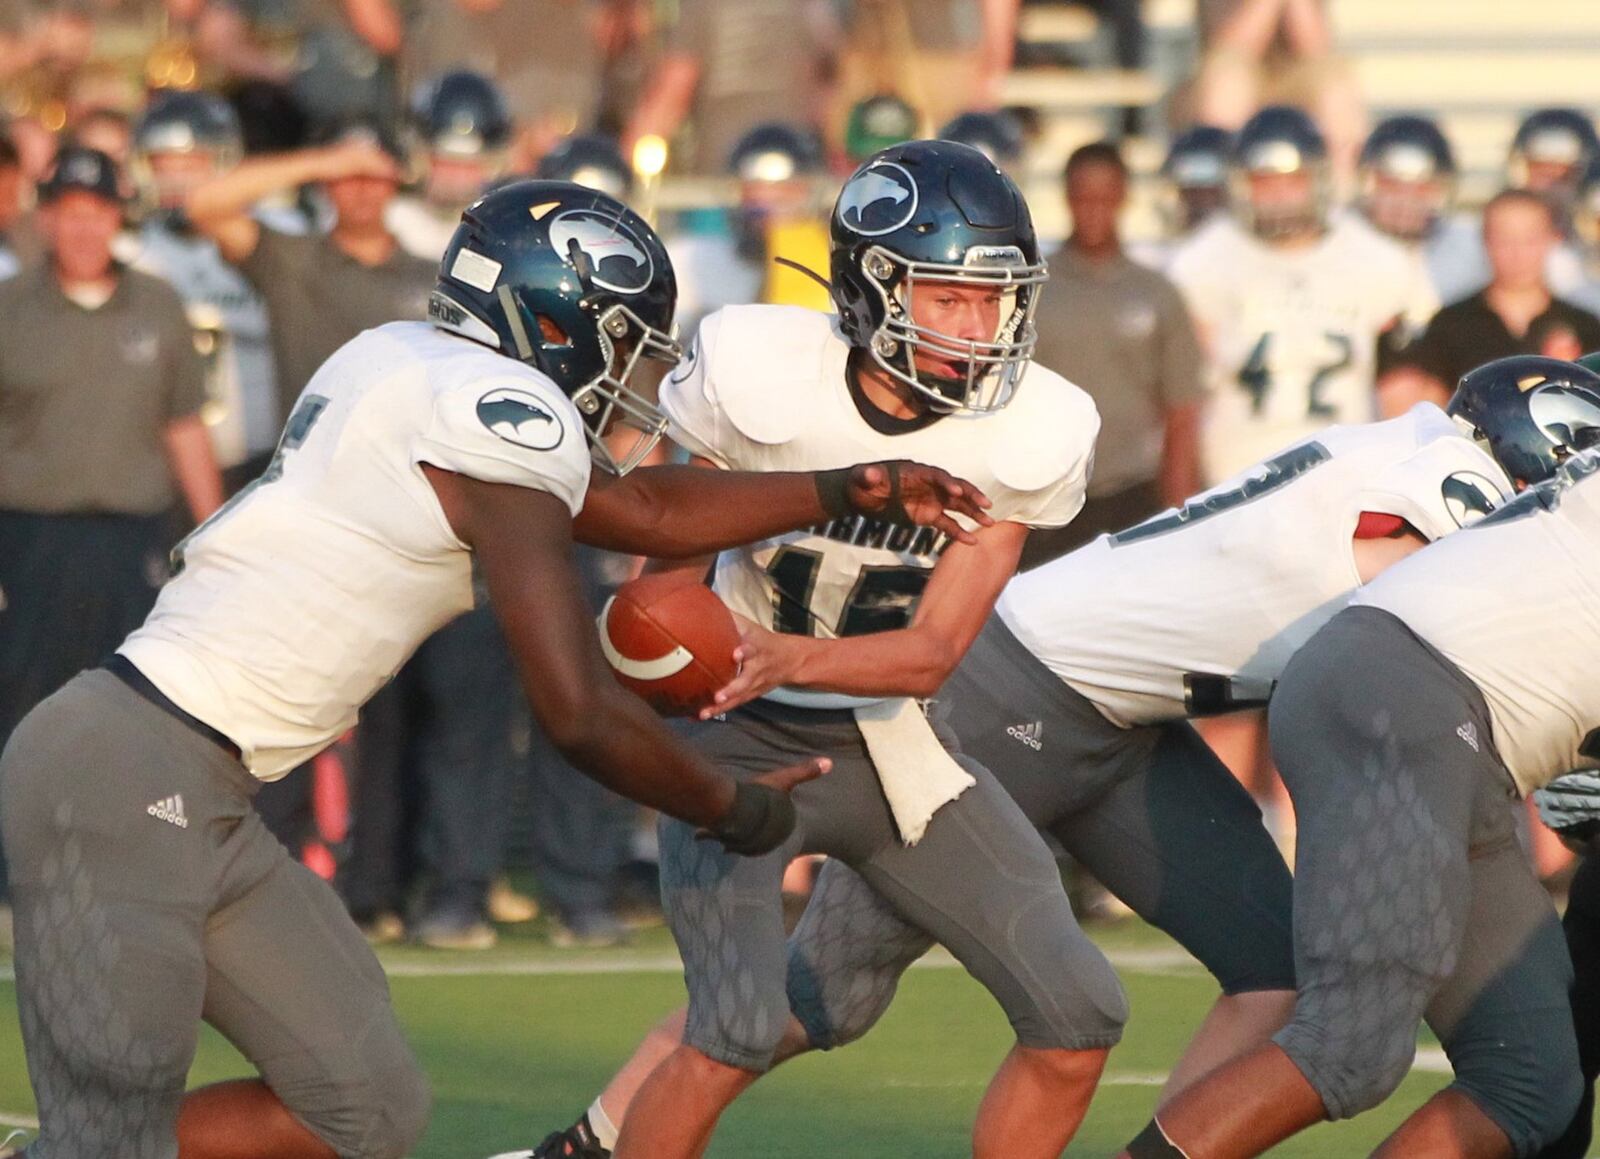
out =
column 807, row 271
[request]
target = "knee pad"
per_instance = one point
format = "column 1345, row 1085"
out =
column 1352, row 1063
column 741, row 1026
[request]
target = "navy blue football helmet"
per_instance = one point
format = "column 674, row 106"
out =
column 461, row 114
column 997, row 135
column 1550, row 150
column 1280, row 140
column 1195, row 176
column 775, row 151
column 188, row 123
column 1531, row 413
column 1407, row 177
column 936, row 211
column 588, row 159
column 575, row 284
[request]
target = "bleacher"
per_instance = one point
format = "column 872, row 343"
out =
column 1476, row 65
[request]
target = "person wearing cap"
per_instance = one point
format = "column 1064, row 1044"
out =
column 320, row 291
column 1121, row 331
column 100, row 436
column 877, row 122
column 726, row 68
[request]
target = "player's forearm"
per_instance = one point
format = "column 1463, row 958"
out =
column 907, row 662
column 617, row 740
column 676, row 512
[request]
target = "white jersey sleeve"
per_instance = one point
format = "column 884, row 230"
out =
column 509, row 430
column 1447, row 483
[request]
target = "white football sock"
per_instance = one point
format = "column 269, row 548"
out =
column 605, row 1131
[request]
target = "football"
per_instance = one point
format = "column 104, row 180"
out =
column 670, row 642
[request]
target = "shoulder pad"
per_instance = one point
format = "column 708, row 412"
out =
column 1050, row 428
column 765, row 363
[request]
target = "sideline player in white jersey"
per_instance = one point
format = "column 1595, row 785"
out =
column 935, row 274
column 1076, row 695
column 148, row 895
column 1458, row 681
column 181, row 140
column 1290, row 300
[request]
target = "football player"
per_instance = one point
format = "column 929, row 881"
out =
column 1290, row 300
column 148, row 895
column 935, row 275
column 1076, row 695
column 461, row 123
column 1407, row 184
column 181, row 140
column 1457, row 682
column 1193, row 187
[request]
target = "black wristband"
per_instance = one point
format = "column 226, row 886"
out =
column 759, row 820
column 833, row 489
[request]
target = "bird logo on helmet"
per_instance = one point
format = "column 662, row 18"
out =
column 1407, row 177
column 1531, row 413
column 936, row 211
column 1280, row 151
column 573, row 283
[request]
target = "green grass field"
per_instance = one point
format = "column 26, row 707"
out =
column 518, row 1040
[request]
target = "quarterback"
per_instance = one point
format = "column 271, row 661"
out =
column 1076, row 692
column 147, row 893
column 935, row 272
column 1457, row 682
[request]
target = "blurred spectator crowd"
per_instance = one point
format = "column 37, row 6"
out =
column 200, row 200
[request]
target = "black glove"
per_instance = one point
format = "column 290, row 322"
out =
column 759, row 820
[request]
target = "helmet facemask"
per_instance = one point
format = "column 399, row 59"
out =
column 992, row 368
column 1273, row 222
column 1403, row 194
column 622, row 421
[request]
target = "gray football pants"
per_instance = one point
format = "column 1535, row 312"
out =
column 148, row 896
column 1149, row 811
column 1412, row 897
column 981, row 881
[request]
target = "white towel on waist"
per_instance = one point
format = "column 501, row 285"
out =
column 918, row 774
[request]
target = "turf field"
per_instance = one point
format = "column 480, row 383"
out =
column 517, row 1040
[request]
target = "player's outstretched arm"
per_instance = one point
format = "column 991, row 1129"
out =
column 676, row 512
column 523, row 542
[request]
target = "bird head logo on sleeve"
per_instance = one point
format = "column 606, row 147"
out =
column 521, row 418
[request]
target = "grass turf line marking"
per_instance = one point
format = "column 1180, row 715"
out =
column 26, row 1122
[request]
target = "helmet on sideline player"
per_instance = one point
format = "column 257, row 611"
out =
column 1278, row 174
column 1550, row 150
column 1531, row 413
column 1407, row 177
column 592, row 160
column 936, row 211
column 997, row 135
column 462, row 128
column 181, row 140
column 1195, row 177
column 575, row 284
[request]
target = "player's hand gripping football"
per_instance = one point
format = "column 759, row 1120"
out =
column 905, row 492
column 761, row 816
column 766, row 661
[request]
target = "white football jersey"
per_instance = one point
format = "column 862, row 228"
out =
column 1515, row 605
column 230, row 322
column 1202, row 606
column 765, row 388
column 307, row 592
column 1292, row 334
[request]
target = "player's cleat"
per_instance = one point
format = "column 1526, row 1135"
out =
column 576, row 1142
column 382, row 929
column 591, row 929
column 12, row 1144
